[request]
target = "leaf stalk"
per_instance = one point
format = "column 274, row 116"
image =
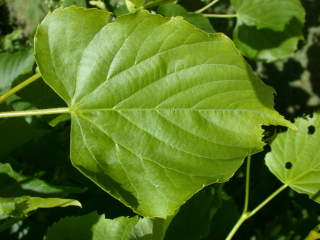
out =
column 20, row 86
column 247, row 188
column 207, row 6
column 34, row 112
column 220, row 15
column 248, row 214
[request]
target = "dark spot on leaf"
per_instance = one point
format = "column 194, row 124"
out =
column 311, row 130
column 288, row 165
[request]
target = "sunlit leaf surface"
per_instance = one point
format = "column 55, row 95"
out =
column 159, row 108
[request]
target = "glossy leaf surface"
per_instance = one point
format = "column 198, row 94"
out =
column 295, row 157
column 159, row 108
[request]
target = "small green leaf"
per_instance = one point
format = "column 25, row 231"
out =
column 59, row 119
column 271, row 14
column 295, row 159
column 153, row 124
column 15, row 184
column 95, row 227
column 12, row 65
column 267, row 44
column 173, row 9
column 21, row 206
column 268, row 30
column 5, row 168
column 134, row 5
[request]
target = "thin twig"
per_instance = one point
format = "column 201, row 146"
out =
column 207, row 6
column 34, row 112
column 247, row 188
column 20, row 86
column 220, row 15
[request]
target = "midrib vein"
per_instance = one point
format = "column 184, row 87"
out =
column 164, row 110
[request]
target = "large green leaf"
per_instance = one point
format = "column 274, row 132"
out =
column 268, row 30
column 96, row 227
column 21, row 206
column 295, row 157
column 159, row 108
column 12, row 65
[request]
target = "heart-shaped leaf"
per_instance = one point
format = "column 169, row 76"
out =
column 159, row 108
column 295, row 157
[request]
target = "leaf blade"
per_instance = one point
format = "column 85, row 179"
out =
column 152, row 124
column 294, row 158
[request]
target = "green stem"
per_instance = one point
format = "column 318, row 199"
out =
column 236, row 227
column 20, row 86
column 207, row 6
column 220, row 15
column 267, row 200
column 247, row 214
column 34, row 112
column 247, row 188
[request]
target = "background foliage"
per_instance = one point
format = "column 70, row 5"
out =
column 38, row 153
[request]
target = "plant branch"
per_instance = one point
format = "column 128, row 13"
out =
column 247, row 214
column 20, row 86
column 236, row 227
column 220, row 15
column 207, row 6
column 267, row 200
column 34, row 112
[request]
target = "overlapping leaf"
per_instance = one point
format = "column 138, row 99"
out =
column 97, row 227
column 14, row 184
column 159, row 108
column 271, row 14
column 295, row 157
column 12, row 65
column 173, row 9
column 268, row 30
column 21, row 206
